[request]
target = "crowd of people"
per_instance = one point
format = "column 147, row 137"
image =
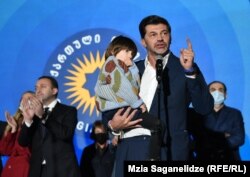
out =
column 146, row 115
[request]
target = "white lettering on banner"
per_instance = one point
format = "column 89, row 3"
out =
column 83, row 126
column 70, row 48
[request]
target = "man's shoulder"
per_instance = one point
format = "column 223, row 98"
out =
column 139, row 62
column 140, row 65
column 65, row 107
column 3, row 123
column 173, row 56
column 231, row 109
column 174, row 60
column 90, row 149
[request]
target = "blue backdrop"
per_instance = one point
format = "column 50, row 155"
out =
column 67, row 38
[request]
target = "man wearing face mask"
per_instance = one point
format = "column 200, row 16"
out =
column 218, row 135
column 98, row 158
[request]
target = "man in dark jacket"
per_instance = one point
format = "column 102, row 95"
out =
column 218, row 135
column 49, row 129
column 168, row 85
column 98, row 158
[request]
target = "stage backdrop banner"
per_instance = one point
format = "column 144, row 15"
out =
column 67, row 39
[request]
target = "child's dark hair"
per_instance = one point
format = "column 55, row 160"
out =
column 119, row 43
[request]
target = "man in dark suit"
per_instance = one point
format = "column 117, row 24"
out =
column 180, row 83
column 218, row 135
column 98, row 158
column 49, row 133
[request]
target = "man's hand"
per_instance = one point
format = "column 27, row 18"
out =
column 27, row 111
column 37, row 106
column 187, row 56
column 120, row 122
column 115, row 140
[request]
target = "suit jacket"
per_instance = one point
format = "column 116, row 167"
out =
column 209, row 134
column 96, row 164
column 177, row 91
column 55, row 146
column 230, row 120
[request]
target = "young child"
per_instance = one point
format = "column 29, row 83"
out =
column 118, row 87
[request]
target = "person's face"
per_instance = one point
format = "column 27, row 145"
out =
column 217, row 86
column 100, row 135
column 44, row 91
column 156, row 40
column 125, row 55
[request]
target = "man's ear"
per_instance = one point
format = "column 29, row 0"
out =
column 143, row 43
column 55, row 91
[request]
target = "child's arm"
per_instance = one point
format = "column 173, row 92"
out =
column 114, row 85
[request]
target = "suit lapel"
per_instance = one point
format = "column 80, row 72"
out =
column 173, row 66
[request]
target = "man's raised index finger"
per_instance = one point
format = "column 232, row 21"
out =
column 189, row 44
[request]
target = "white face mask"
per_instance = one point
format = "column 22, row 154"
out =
column 218, row 96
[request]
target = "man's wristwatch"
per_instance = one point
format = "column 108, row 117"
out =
column 114, row 132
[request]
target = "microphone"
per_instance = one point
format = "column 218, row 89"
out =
column 159, row 67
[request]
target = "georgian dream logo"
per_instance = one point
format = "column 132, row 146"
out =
column 76, row 63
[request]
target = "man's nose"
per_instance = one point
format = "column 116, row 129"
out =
column 37, row 90
column 159, row 37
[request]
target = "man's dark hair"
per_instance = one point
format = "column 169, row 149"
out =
column 97, row 123
column 53, row 81
column 152, row 20
column 225, row 88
